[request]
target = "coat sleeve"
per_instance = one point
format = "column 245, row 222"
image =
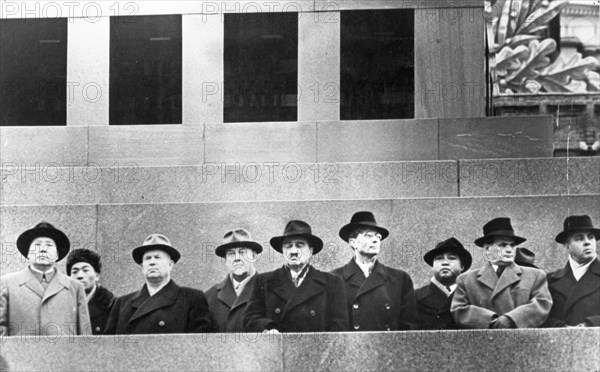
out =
column 592, row 321
column 535, row 312
column 464, row 313
column 113, row 318
column 84, row 324
column 255, row 315
column 199, row 318
column 409, row 317
column 3, row 309
column 338, row 313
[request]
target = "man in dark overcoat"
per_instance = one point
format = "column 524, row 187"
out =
column 575, row 288
column 297, row 297
column 501, row 294
column 448, row 260
column 228, row 299
column 379, row 298
column 161, row 306
column 84, row 265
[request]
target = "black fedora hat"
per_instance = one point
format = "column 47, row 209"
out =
column 498, row 227
column 237, row 238
column 46, row 230
column 450, row 245
column 362, row 219
column 574, row 224
column 296, row 228
column 525, row 257
column 155, row 241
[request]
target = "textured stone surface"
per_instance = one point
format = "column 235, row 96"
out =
column 498, row 137
column 386, row 140
column 146, row 145
column 416, row 225
column 560, row 176
column 573, row 349
column 87, row 71
column 394, row 4
column 231, row 182
column 78, row 222
column 226, row 352
column 260, row 142
column 46, row 146
column 481, row 350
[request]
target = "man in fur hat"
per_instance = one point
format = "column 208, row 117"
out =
column 501, row 294
column 379, row 298
column 228, row 299
column 40, row 300
column 575, row 288
column 161, row 306
column 84, row 265
column 297, row 297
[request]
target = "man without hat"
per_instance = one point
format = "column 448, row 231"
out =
column 228, row 299
column 297, row 297
column 379, row 298
column 575, row 288
column 40, row 300
column 161, row 306
column 84, row 265
column 448, row 260
column 501, row 294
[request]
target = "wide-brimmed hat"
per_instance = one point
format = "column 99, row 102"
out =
column 525, row 257
column 237, row 238
column 155, row 241
column 46, row 230
column 450, row 245
column 296, row 228
column 365, row 220
column 574, row 224
column 498, row 227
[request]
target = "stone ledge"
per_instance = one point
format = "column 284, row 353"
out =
column 464, row 350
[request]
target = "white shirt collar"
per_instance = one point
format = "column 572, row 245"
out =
column 91, row 294
column 443, row 287
column 365, row 267
column 239, row 286
column 578, row 269
column 153, row 290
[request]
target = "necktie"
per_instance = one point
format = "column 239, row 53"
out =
column 300, row 276
column 500, row 270
column 44, row 279
column 448, row 288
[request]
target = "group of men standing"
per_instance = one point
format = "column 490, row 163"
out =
column 508, row 291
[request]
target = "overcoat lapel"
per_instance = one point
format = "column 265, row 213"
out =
column 57, row 284
column 511, row 275
column 312, row 285
column 377, row 278
column 563, row 281
column 244, row 297
column 226, row 293
column 353, row 274
column 281, row 284
column 30, row 281
column 487, row 276
column 165, row 297
column 587, row 284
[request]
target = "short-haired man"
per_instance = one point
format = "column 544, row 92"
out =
column 40, row 300
column 379, row 298
column 501, row 294
column 575, row 288
column 228, row 299
column 161, row 306
column 84, row 265
column 448, row 260
column 297, row 297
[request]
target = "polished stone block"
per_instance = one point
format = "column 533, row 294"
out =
column 377, row 140
column 260, row 142
column 543, row 176
column 324, row 5
column 498, row 137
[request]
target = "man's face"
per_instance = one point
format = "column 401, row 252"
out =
column 582, row 247
column 296, row 252
column 501, row 251
column 156, row 265
column 43, row 251
column 446, row 267
column 85, row 273
column 367, row 243
column 239, row 261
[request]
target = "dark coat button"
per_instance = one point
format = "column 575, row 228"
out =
column 277, row 310
column 97, row 329
column 356, row 326
column 312, row 313
column 387, row 306
column 355, row 306
column 161, row 323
